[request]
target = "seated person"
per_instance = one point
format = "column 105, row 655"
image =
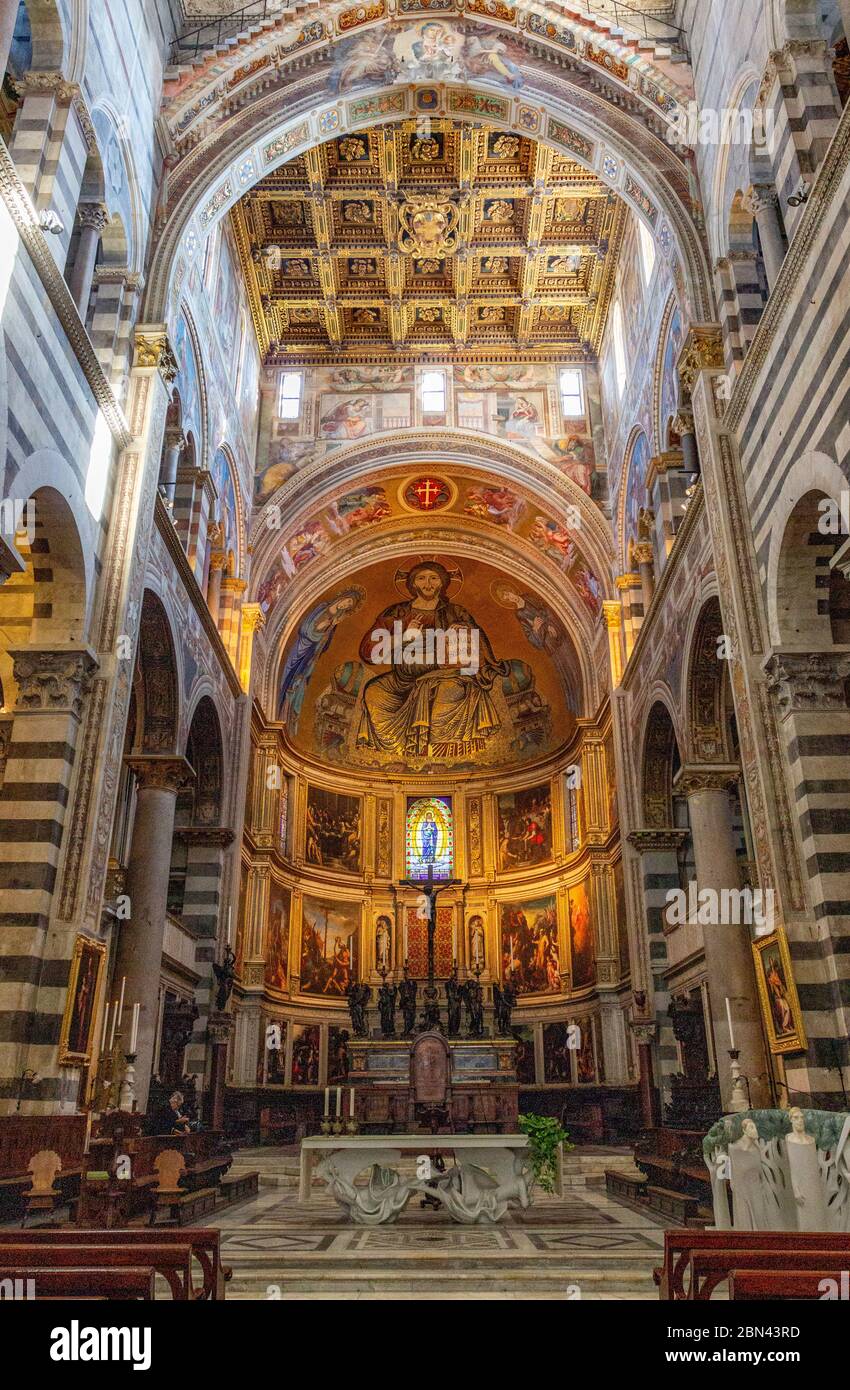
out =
column 171, row 1118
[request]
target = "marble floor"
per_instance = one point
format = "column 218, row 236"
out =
column 582, row 1246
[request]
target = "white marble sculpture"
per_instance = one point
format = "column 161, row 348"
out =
column 806, row 1185
column 385, row 1194
column 750, row 1208
column 473, row 1195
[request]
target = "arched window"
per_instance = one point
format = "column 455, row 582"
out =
column 429, row 841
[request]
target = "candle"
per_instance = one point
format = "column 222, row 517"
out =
column 87, row 1144
column 134, row 1031
column 339, row 1102
column 121, row 1001
column 114, row 1024
column 729, row 1018
column 105, row 1028
column 351, row 1105
column 327, row 1101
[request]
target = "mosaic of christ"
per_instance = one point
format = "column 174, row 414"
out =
column 426, row 667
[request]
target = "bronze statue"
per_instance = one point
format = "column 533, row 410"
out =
column 386, row 1008
column 472, row 997
column 504, row 1002
column 225, row 975
column 358, row 998
column 453, row 1002
column 407, row 1003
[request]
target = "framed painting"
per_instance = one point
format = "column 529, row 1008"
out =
column 780, row 1006
column 85, row 986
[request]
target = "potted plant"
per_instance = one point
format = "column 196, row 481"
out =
column 544, row 1136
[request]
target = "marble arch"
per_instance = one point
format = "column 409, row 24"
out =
column 815, row 472
column 240, row 138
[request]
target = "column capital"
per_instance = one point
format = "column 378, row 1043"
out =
column 94, row 215
column 702, row 351
column 52, row 679
column 630, row 580
column 643, row 553
column 644, row 1032
column 161, row 771
column 232, row 584
column 612, row 612
column 655, row 840
column 216, row 836
column 152, row 349
column 802, row 682
column 694, row 778
column 762, row 197
column 253, row 617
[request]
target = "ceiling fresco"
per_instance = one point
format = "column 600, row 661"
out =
column 429, row 235
column 368, row 682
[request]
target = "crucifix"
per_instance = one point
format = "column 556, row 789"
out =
column 428, row 889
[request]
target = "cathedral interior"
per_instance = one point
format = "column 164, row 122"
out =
column 425, row 641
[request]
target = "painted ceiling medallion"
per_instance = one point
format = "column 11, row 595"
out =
column 428, row 226
column 427, row 493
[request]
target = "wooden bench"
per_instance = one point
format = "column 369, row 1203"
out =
column 87, row 1282
column 770, row 1285
column 679, row 1245
column 172, row 1262
column 669, row 1203
column 236, row 1187
column 195, row 1204
column 203, row 1243
column 710, row 1268
column 632, row 1187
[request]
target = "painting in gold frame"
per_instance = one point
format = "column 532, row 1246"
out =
column 82, row 1005
column 780, row 1006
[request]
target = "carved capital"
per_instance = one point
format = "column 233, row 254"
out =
column 627, row 581
column 220, row 1027
column 93, row 215
column 644, row 1033
column 763, row 198
column 656, row 841
column 253, row 617
column 803, row 682
column 152, row 349
column 706, row 777
column 644, row 553
column 612, row 612
column 702, row 351
column 162, row 772
column 53, row 680
column 670, row 458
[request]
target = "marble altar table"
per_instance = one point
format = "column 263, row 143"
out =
column 491, row 1173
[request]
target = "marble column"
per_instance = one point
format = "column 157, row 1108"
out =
column 218, row 564
column 175, row 443
column 219, row 1029
column 644, row 1034
column 765, row 203
column 727, row 945
column 684, row 427
column 645, row 558
column 93, row 220
column 160, row 777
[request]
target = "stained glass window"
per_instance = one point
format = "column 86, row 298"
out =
column 429, row 838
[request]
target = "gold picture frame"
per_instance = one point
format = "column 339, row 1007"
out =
column 780, row 1006
column 83, row 1001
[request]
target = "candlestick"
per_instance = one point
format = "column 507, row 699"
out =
column 134, row 1030
column 729, row 1020
column 738, row 1099
column 105, row 1028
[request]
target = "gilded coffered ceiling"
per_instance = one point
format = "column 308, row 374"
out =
column 429, row 237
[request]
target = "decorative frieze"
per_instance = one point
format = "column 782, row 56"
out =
column 657, row 841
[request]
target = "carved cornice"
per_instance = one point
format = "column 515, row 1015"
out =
column 658, row 840
column 161, row 771
column 808, row 682
column 216, row 836
column 52, row 680
column 25, row 218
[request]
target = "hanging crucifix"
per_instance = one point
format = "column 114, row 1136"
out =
column 428, row 889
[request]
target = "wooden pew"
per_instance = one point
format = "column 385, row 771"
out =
column 679, row 1244
column 771, row 1284
column 204, row 1243
column 87, row 1282
column 710, row 1268
column 172, row 1262
column 21, row 1136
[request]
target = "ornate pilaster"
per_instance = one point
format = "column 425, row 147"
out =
column 253, row 618
column 612, row 612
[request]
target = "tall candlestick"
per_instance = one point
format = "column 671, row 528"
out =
column 105, row 1028
column 729, row 1020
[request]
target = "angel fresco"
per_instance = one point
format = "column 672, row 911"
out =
column 314, row 637
column 432, row 50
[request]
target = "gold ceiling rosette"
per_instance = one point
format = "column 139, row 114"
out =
column 428, row 225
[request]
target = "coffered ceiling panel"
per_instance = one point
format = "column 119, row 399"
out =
column 429, row 235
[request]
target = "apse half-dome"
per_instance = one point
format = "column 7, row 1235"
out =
column 437, row 662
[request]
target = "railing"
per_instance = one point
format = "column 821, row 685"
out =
column 217, row 28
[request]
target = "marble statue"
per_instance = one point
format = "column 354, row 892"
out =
column 484, row 1185
column 385, row 1195
column 806, row 1184
column 750, row 1209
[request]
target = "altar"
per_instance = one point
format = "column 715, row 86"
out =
column 481, row 1093
column 490, row 1175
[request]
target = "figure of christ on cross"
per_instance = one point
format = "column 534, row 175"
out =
column 428, row 889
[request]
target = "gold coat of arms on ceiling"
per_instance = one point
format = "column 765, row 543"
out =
column 428, row 226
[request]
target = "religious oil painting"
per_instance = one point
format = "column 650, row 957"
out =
column 429, row 837
column 277, row 938
column 76, row 1038
column 581, row 937
column 526, row 1072
column 305, row 1054
column 560, row 1042
column 780, row 1005
column 339, row 1056
column 329, row 940
column 332, row 838
column 586, row 1054
column 530, row 958
column 525, row 827
column 274, row 1041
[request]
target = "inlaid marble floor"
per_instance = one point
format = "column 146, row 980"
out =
column 584, row 1246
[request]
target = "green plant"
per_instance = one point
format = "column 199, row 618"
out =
column 544, row 1136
